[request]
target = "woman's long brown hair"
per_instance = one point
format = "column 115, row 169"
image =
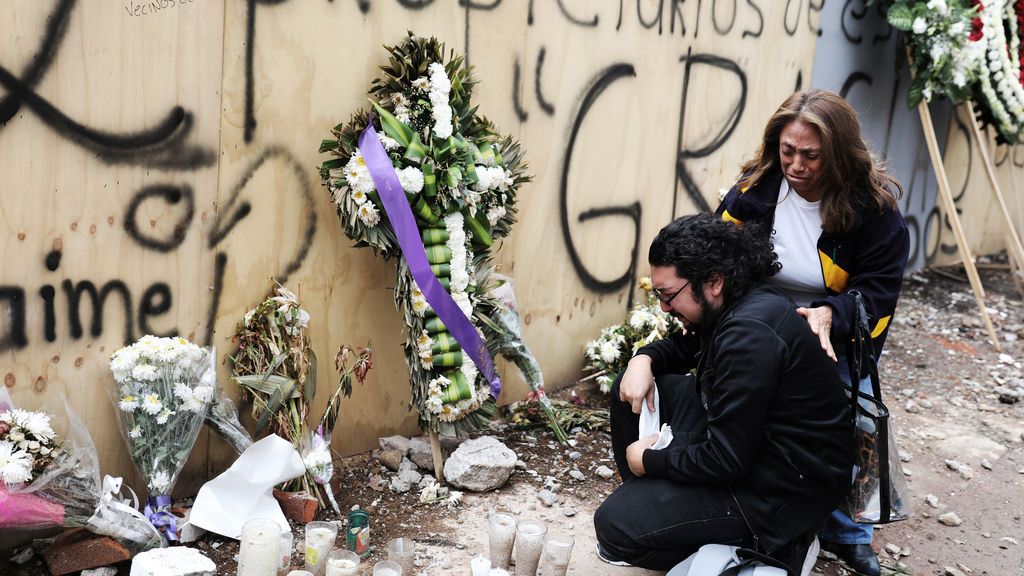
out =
column 853, row 176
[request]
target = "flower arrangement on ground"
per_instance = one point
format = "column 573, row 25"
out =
column 947, row 46
column 275, row 367
column 458, row 183
column 163, row 390
column 610, row 352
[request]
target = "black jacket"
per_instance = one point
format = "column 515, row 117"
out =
column 780, row 433
column 869, row 259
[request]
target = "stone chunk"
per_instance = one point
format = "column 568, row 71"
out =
column 397, row 443
column 604, row 472
column 480, row 465
column 176, row 561
column 950, row 519
column 392, row 459
column 80, row 549
column 299, row 507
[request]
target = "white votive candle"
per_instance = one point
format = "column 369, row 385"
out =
column 342, row 563
column 529, row 543
column 501, row 535
column 258, row 553
column 320, row 537
column 387, row 568
column 481, row 566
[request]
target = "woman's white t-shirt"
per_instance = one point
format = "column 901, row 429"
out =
column 795, row 236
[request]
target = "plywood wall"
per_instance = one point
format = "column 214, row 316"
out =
column 631, row 112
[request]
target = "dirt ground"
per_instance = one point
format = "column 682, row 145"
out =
column 939, row 376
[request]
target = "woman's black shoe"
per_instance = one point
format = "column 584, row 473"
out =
column 861, row 558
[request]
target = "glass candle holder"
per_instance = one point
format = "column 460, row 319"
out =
column 554, row 561
column 529, row 544
column 258, row 550
column 480, row 566
column 387, row 568
column 320, row 537
column 284, row 551
column 403, row 551
column 501, row 535
column 342, row 563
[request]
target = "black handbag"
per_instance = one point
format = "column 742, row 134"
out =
column 877, row 495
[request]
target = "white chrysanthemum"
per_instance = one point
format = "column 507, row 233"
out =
column 419, row 305
column 369, row 214
column 359, row 197
column 640, row 318
column 411, row 179
column 203, row 393
column 357, row 175
column 610, row 351
column 593, row 350
column 144, row 372
column 955, row 29
column 15, row 465
column 496, row 213
column 386, row 141
column 135, row 433
column 440, row 88
column 151, row 404
column 166, row 414
column 402, row 114
column 462, row 299
column 160, row 482
column 128, row 403
column 605, row 383
column 421, row 83
column 400, row 99
column 35, row 423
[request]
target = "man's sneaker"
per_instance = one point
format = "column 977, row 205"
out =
column 606, row 557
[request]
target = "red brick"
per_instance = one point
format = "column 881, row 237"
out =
column 76, row 551
column 298, row 507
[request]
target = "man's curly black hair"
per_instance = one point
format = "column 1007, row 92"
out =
column 702, row 246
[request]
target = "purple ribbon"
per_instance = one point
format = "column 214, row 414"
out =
column 404, row 224
column 157, row 512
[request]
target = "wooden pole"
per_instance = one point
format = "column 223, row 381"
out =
column 946, row 197
column 435, row 452
column 1015, row 271
column 1014, row 248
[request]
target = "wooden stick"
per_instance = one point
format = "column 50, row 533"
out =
column 435, row 452
column 1015, row 272
column 946, row 197
column 1013, row 243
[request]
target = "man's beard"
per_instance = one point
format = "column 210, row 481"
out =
column 709, row 317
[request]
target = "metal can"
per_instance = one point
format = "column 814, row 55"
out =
column 357, row 536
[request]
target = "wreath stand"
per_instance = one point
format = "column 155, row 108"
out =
column 948, row 206
column 1014, row 247
column 435, row 453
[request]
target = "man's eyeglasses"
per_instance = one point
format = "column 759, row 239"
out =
column 666, row 299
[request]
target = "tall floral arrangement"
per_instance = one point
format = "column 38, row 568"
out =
column 163, row 388
column 461, row 180
column 608, row 354
column 275, row 367
column 947, row 46
column 1001, row 95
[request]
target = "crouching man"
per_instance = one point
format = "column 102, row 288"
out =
column 762, row 435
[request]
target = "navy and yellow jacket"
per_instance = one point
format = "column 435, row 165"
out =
column 869, row 259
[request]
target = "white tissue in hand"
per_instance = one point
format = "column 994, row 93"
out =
column 664, row 438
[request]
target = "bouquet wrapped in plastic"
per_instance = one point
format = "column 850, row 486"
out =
column 49, row 477
column 609, row 353
column 163, row 391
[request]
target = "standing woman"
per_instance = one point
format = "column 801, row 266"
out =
column 830, row 209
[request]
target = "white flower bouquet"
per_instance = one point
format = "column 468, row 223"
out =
column 609, row 353
column 163, row 390
column 460, row 180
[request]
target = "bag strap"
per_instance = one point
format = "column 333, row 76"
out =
column 860, row 347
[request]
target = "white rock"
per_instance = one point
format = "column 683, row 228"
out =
column 176, row 561
column 932, row 500
column 950, row 571
column 547, row 498
column 950, row 519
column 576, row 474
column 105, row 571
column 410, row 476
column 986, row 464
column 399, row 443
column 604, row 472
column 910, row 406
column 892, row 549
column 480, row 465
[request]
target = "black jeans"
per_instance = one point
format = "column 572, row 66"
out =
column 656, row 523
